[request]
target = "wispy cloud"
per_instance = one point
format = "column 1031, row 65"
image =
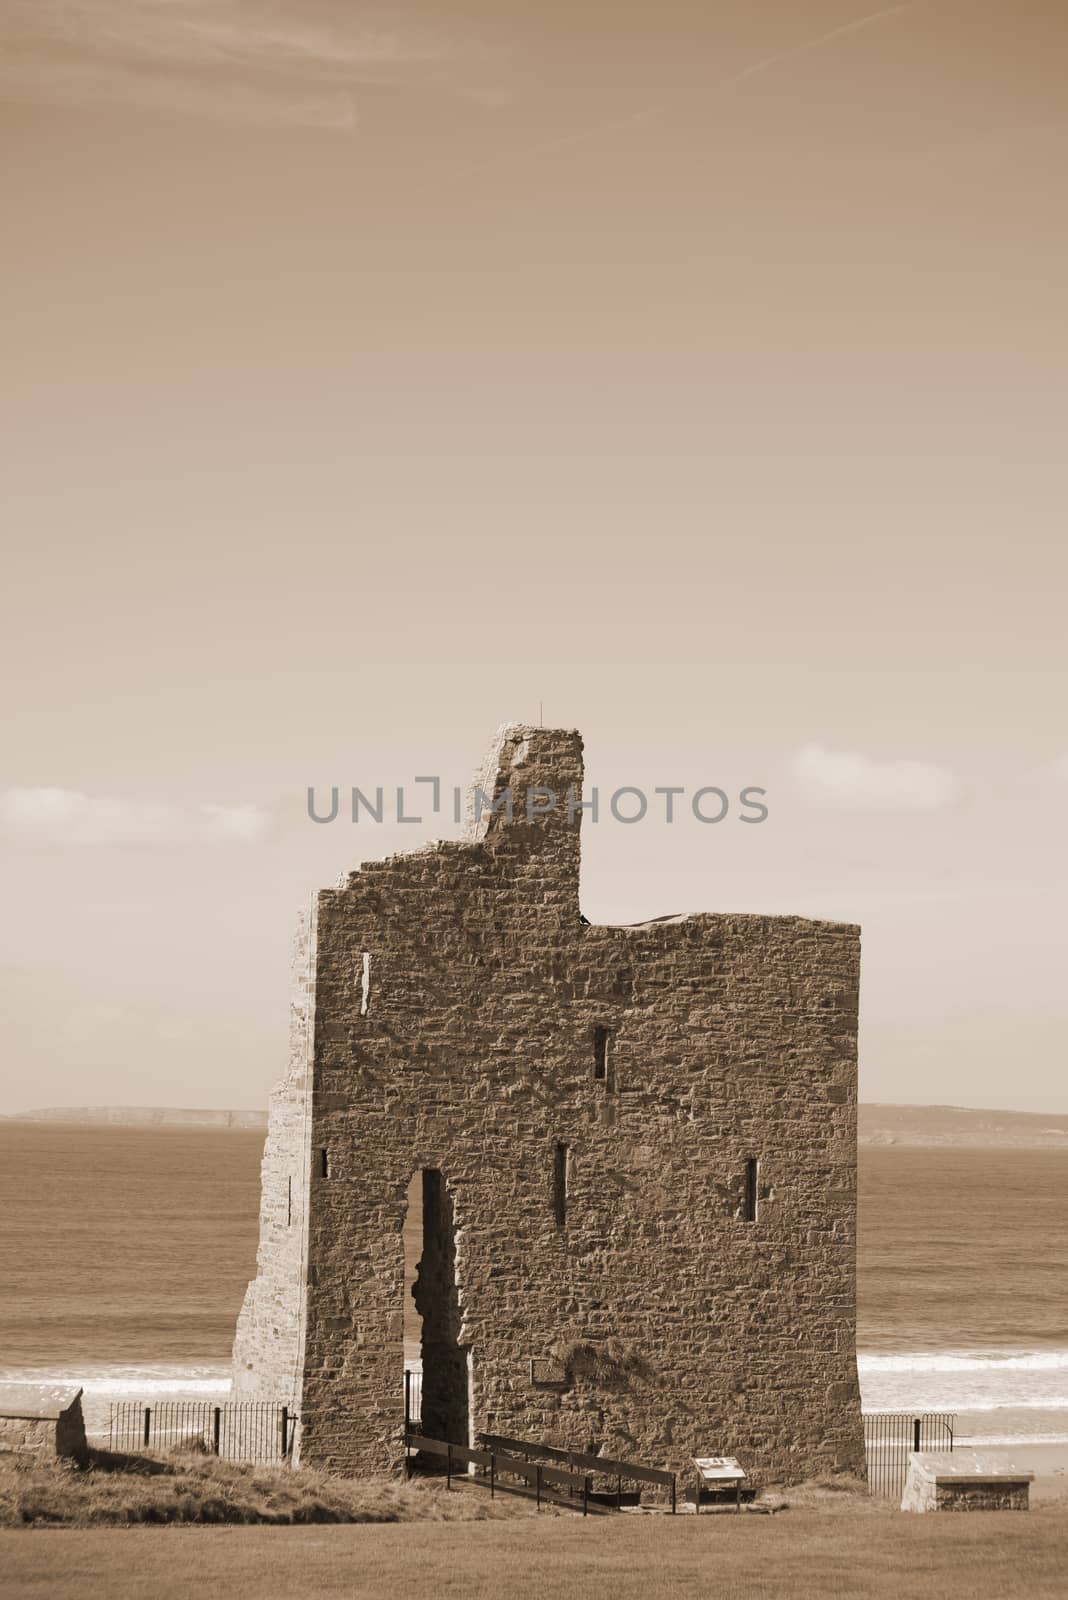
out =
column 844, row 29
column 646, row 116
column 848, row 781
column 299, row 61
column 51, row 817
column 1060, row 768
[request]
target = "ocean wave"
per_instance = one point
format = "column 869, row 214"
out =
column 156, row 1386
column 984, row 1381
column 980, row 1441
column 975, row 1441
column 967, row 1361
column 122, row 1380
column 969, row 1403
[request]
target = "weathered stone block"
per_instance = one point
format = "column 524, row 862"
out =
column 965, row 1480
column 54, row 1430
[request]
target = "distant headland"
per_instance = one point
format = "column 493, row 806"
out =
column 916, row 1126
column 143, row 1117
column 962, row 1127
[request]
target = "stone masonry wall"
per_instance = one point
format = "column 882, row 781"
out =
column 1006, row 1496
column 56, row 1431
column 680, row 1327
column 24, row 1433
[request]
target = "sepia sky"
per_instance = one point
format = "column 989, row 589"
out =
column 373, row 375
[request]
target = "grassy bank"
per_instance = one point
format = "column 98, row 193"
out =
column 101, row 1529
column 119, row 1491
column 799, row 1555
column 110, row 1489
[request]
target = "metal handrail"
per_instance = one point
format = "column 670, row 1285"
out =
column 496, row 1461
column 607, row 1466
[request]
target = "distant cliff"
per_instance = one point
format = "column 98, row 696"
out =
column 963, row 1128
column 144, row 1117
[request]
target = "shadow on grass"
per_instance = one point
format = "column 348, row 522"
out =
column 94, row 1460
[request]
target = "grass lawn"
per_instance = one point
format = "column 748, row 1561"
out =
column 794, row 1555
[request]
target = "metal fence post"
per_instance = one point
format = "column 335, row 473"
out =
column 890, row 1436
column 254, row 1429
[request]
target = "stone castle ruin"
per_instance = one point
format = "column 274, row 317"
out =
column 638, row 1158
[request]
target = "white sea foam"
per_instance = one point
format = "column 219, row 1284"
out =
column 980, row 1441
column 122, row 1381
column 1010, row 1387
column 957, row 1402
column 141, row 1386
column 980, row 1381
column 966, row 1361
column 102, row 1387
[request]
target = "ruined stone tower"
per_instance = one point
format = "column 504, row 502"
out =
column 639, row 1157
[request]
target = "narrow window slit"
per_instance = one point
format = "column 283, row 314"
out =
column 289, row 1203
column 324, row 1163
column 752, row 1173
column 365, row 983
column 560, row 1176
column 600, row 1054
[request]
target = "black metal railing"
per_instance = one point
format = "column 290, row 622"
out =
column 609, row 1473
column 558, row 1485
column 243, row 1430
column 568, row 1476
column 891, row 1436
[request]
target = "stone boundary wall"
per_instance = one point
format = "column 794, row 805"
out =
column 57, row 1431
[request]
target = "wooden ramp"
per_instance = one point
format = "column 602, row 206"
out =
column 498, row 1469
column 567, row 1476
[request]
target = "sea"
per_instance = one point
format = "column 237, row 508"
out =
column 125, row 1253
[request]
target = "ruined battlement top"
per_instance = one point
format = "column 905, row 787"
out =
column 528, row 791
column 521, row 761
